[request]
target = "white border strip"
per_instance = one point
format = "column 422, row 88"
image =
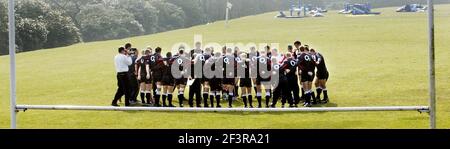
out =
column 167, row 109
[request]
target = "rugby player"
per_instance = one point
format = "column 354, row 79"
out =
column 167, row 81
column 157, row 63
column 245, row 82
column 306, row 70
column 229, row 75
column 180, row 83
column 321, row 76
column 144, row 76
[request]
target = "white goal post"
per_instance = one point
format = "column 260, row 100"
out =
column 14, row 108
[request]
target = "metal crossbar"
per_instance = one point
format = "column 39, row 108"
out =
column 175, row 109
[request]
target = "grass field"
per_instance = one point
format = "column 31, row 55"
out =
column 373, row 61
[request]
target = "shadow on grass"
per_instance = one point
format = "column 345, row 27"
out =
column 240, row 104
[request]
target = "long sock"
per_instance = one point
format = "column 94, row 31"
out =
column 164, row 100
column 244, row 98
column 211, row 99
column 143, row 96
column 267, row 101
column 230, row 99
column 180, row 99
column 169, row 98
column 250, row 100
column 157, row 100
column 217, row 100
column 148, row 95
column 313, row 96
column 325, row 93
column 319, row 91
column 205, row 99
column 258, row 97
column 303, row 94
column 308, row 97
column 267, row 98
column 236, row 88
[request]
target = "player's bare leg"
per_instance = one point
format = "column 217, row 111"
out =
column 268, row 89
column 148, row 94
column 170, row 95
column 244, row 96
column 164, row 95
column 325, row 91
column 158, row 93
column 230, row 90
column 258, row 95
column 305, row 86
column 206, row 91
column 142, row 92
column 180, row 89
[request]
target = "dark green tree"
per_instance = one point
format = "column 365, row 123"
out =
column 100, row 22
column 3, row 29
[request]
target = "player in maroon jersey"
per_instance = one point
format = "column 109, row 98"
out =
column 306, row 66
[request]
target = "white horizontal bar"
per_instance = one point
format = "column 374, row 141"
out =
column 166, row 109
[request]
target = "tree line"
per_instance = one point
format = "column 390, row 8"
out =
column 55, row 23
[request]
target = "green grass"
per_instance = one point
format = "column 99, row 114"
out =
column 373, row 61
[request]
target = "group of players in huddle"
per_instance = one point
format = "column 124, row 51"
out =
column 297, row 69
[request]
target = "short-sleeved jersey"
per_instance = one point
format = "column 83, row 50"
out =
column 227, row 61
column 166, row 69
column 291, row 64
column 306, row 62
column 181, row 61
column 142, row 62
column 245, row 64
column 264, row 61
column 156, row 62
column 320, row 61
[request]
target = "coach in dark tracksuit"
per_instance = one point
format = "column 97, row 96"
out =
column 134, row 83
column 122, row 61
column 196, row 87
column 282, row 89
column 292, row 76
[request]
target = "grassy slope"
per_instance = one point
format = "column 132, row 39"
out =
column 374, row 61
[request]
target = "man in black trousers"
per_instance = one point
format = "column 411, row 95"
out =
column 122, row 61
column 196, row 87
column 133, row 76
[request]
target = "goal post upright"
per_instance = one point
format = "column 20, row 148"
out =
column 432, row 72
column 12, row 61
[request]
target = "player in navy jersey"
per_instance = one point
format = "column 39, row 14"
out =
column 205, row 81
column 321, row 76
column 180, row 83
column 215, row 62
column 263, row 79
column 293, row 74
column 253, row 58
column 236, row 54
column 306, row 66
column 196, row 87
column 144, row 76
column 292, row 79
column 229, row 62
column 281, row 87
column 132, row 69
column 297, row 46
column 167, row 81
column 157, row 63
column 245, row 82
